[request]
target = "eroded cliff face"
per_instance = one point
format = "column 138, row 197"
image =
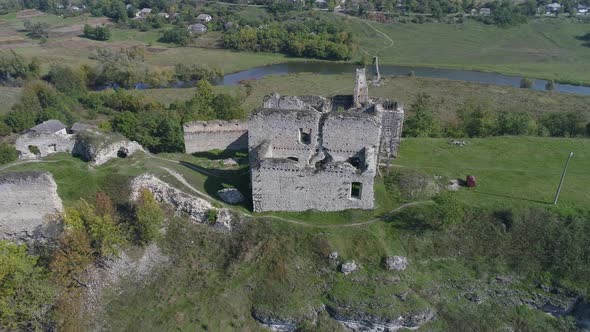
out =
column 29, row 207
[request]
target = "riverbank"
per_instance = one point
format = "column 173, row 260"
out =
column 449, row 96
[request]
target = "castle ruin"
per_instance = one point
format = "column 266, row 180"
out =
column 310, row 152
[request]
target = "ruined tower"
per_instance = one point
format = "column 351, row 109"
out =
column 361, row 90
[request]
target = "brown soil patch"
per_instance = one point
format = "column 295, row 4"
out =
column 12, row 42
column 156, row 49
column 29, row 13
column 76, row 29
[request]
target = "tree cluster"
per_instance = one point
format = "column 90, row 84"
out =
column 14, row 68
column 311, row 37
column 97, row 33
column 477, row 119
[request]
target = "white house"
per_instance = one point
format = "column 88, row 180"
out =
column 553, row 7
column 204, row 17
column 164, row 15
column 582, row 10
column 143, row 13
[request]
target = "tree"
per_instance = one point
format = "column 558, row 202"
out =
column 178, row 35
column 550, row 86
column 422, row 123
column 67, row 80
column 97, row 33
column 25, row 290
column 36, row 30
column 8, row 153
column 526, row 83
column 227, row 107
column 149, row 217
column 516, row 123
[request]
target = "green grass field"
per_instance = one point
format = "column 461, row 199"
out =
column 544, row 48
column 8, row 96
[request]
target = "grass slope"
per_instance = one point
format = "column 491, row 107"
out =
column 544, row 48
column 8, row 97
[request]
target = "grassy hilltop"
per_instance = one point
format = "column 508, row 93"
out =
column 281, row 269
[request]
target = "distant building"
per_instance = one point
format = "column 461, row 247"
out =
column 197, row 28
column 553, row 7
column 204, row 18
column 485, row 11
column 582, row 10
column 164, row 15
column 48, row 127
column 145, row 12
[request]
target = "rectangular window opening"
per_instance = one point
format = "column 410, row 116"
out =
column 356, row 190
column 304, row 138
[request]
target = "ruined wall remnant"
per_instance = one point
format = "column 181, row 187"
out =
column 361, row 89
column 309, row 152
column 98, row 147
column 39, row 145
column 29, row 204
column 202, row 136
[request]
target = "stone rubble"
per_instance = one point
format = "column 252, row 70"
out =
column 397, row 263
column 231, row 195
column 348, row 267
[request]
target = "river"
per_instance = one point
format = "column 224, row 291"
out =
column 341, row 68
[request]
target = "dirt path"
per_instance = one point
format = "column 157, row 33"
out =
column 391, row 42
column 182, row 180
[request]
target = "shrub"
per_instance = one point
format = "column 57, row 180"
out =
column 448, row 209
column 177, row 35
column 526, row 83
column 410, row 185
column 8, row 153
column 550, row 85
column 97, row 33
column 25, row 290
column 516, row 123
column 34, row 150
column 149, row 217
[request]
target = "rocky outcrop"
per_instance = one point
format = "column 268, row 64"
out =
column 98, row 148
column 231, row 195
column 397, row 263
column 274, row 323
column 34, row 145
column 356, row 321
column 196, row 208
column 348, row 267
column 29, row 207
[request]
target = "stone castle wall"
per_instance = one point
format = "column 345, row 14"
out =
column 202, row 136
column 391, row 133
column 46, row 143
column 28, row 203
column 285, row 185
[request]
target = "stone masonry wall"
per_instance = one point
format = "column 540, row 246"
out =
column 46, row 143
column 345, row 134
column 202, row 136
column 391, row 133
column 28, row 201
column 285, row 185
column 361, row 89
column 282, row 128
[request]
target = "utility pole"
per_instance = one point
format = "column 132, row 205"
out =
column 562, row 177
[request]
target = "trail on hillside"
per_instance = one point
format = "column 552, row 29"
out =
column 391, row 42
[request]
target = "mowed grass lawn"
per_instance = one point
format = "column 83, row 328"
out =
column 510, row 171
column 543, row 48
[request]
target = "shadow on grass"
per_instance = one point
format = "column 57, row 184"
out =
column 236, row 178
column 585, row 39
column 510, row 197
column 225, row 154
column 412, row 219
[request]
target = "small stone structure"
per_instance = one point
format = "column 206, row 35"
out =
column 202, row 136
column 44, row 139
column 310, row 152
column 397, row 263
column 84, row 141
column 29, row 204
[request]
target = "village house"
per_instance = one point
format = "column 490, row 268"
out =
column 164, row 15
column 197, row 28
column 582, row 10
column 145, row 12
column 204, row 18
column 553, row 7
column 485, row 11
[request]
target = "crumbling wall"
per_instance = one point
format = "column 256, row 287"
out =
column 98, row 148
column 346, row 133
column 46, row 143
column 391, row 133
column 285, row 185
column 318, row 103
column 286, row 130
column 202, row 136
column 29, row 204
column 361, row 89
